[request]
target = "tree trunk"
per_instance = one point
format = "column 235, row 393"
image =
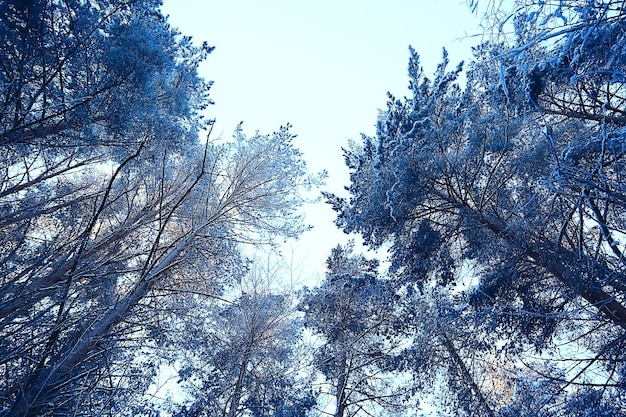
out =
column 340, row 396
column 61, row 369
column 558, row 263
column 234, row 404
column 468, row 379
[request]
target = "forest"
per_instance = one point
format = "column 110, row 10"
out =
column 495, row 189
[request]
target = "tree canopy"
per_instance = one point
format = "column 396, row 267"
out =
column 496, row 187
column 114, row 212
column 516, row 174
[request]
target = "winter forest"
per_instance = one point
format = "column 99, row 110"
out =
column 495, row 191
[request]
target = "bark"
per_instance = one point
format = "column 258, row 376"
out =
column 468, row 379
column 236, row 399
column 340, row 396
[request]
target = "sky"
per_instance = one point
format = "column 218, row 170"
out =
column 323, row 66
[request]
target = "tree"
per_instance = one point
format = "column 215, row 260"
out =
column 70, row 71
column 352, row 312
column 519, row 173
column 190, row 237
column 66, row 117
column 109, row 202
column 243, row 361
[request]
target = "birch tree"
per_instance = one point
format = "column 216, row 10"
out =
column 110, row 201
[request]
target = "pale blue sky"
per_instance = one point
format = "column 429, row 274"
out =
column 323, row 66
